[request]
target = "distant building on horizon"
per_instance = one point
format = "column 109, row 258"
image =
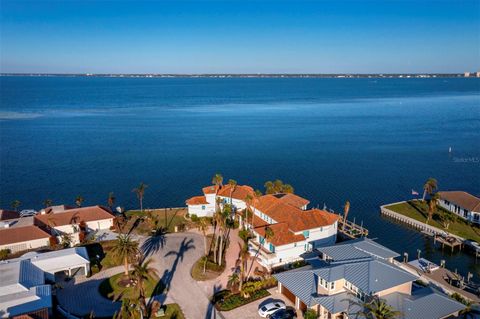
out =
column 466, row 74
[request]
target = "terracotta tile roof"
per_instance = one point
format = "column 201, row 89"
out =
column 281, row 234
column 292, row 199
column 463, row 199
column 197, row 200
column 21, row 234
column 86, row 214
column 8, row 214
column 212, row 189
column 239, row 191
column 297, row 219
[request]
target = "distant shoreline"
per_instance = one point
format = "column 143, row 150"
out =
column 266, row 75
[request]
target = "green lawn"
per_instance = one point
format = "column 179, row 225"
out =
column 418, row 210
column 109, row 288
column 172, row 218
column 173, row 312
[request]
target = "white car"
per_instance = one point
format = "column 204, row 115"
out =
column 27, row 212
column 270, row 308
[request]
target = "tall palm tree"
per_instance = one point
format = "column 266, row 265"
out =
column 346, row 209
column 224, row 216
column 430, row 186
column 269, row 234
column 243, row 255
column 140, row 191
column 111, row 200
column 16, row 204
column 233, row 280
column 79, row 201
column 202, row 225
column 47, row 203
column 256, row 195
column 126, row 249
column 378, row 309
column 248, row 201
column 233, row 185
column 432, row 206
column 142, row 271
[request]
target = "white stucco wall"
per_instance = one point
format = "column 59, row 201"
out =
column 205, row 210
column 31, row 244
column 460, row 211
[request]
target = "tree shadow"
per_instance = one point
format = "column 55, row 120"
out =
column 154, row 243
column 419, row 210
column 211, row 311
column 166, row 279
column 135, row 224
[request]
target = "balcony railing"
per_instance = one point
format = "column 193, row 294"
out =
column 264, row 253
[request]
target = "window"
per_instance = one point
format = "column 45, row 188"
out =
column 262, row 240
column 306, row 233
column 203, row 207
column 332, row 285
column 272, row 248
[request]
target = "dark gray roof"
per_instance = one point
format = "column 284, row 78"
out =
column 357, row 249
column 423, row 304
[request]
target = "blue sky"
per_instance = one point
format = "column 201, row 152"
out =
column 240, row 37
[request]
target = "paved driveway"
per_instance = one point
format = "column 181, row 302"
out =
column 173, row 262
column 250, row 311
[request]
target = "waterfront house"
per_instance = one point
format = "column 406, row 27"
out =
column 339, row 278
column 462, row 204
column 296, row 229
column 69, row 221
column 23, row 292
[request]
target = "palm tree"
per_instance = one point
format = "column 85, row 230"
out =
column 202, row 225
column 47, row 203
column 248, row 201
column 233, row 185
column 269, row 187
column 378, row 309
column 224, row 216
column 430, row 186
column 432, row 206
column 142, row 271
column 111, row 200
column 79, row 201
column 346, row 209
column 233, row 280
column 269, row 234
column 217, row 180
column 287, row 188
column 16, row 204
column 140, row 191
column 125, row 248
column 243, row 255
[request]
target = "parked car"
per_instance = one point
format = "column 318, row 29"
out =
column 287, row 313
column 270, row 308
column 27, row 212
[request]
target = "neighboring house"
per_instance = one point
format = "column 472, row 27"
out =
column 23, row 238
column 23, row 291
column 8, row 214
column 340, row 278
column 58, row 264
column 68, row 221
column 296, row 230
column 461, row 203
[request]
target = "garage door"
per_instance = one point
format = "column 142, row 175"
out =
column 287, row 293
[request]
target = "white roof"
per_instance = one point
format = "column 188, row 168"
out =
column 58, row 260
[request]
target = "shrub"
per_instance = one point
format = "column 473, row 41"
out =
column 236, row 300
column 194, row 218
column 310, row 314
column 4, row 253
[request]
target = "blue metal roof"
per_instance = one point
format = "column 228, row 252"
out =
column 357, row 249
column 423, row 304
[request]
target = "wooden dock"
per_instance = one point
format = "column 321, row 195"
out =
column 350, row 230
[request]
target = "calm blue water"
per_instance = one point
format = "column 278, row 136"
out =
column 366, row 140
